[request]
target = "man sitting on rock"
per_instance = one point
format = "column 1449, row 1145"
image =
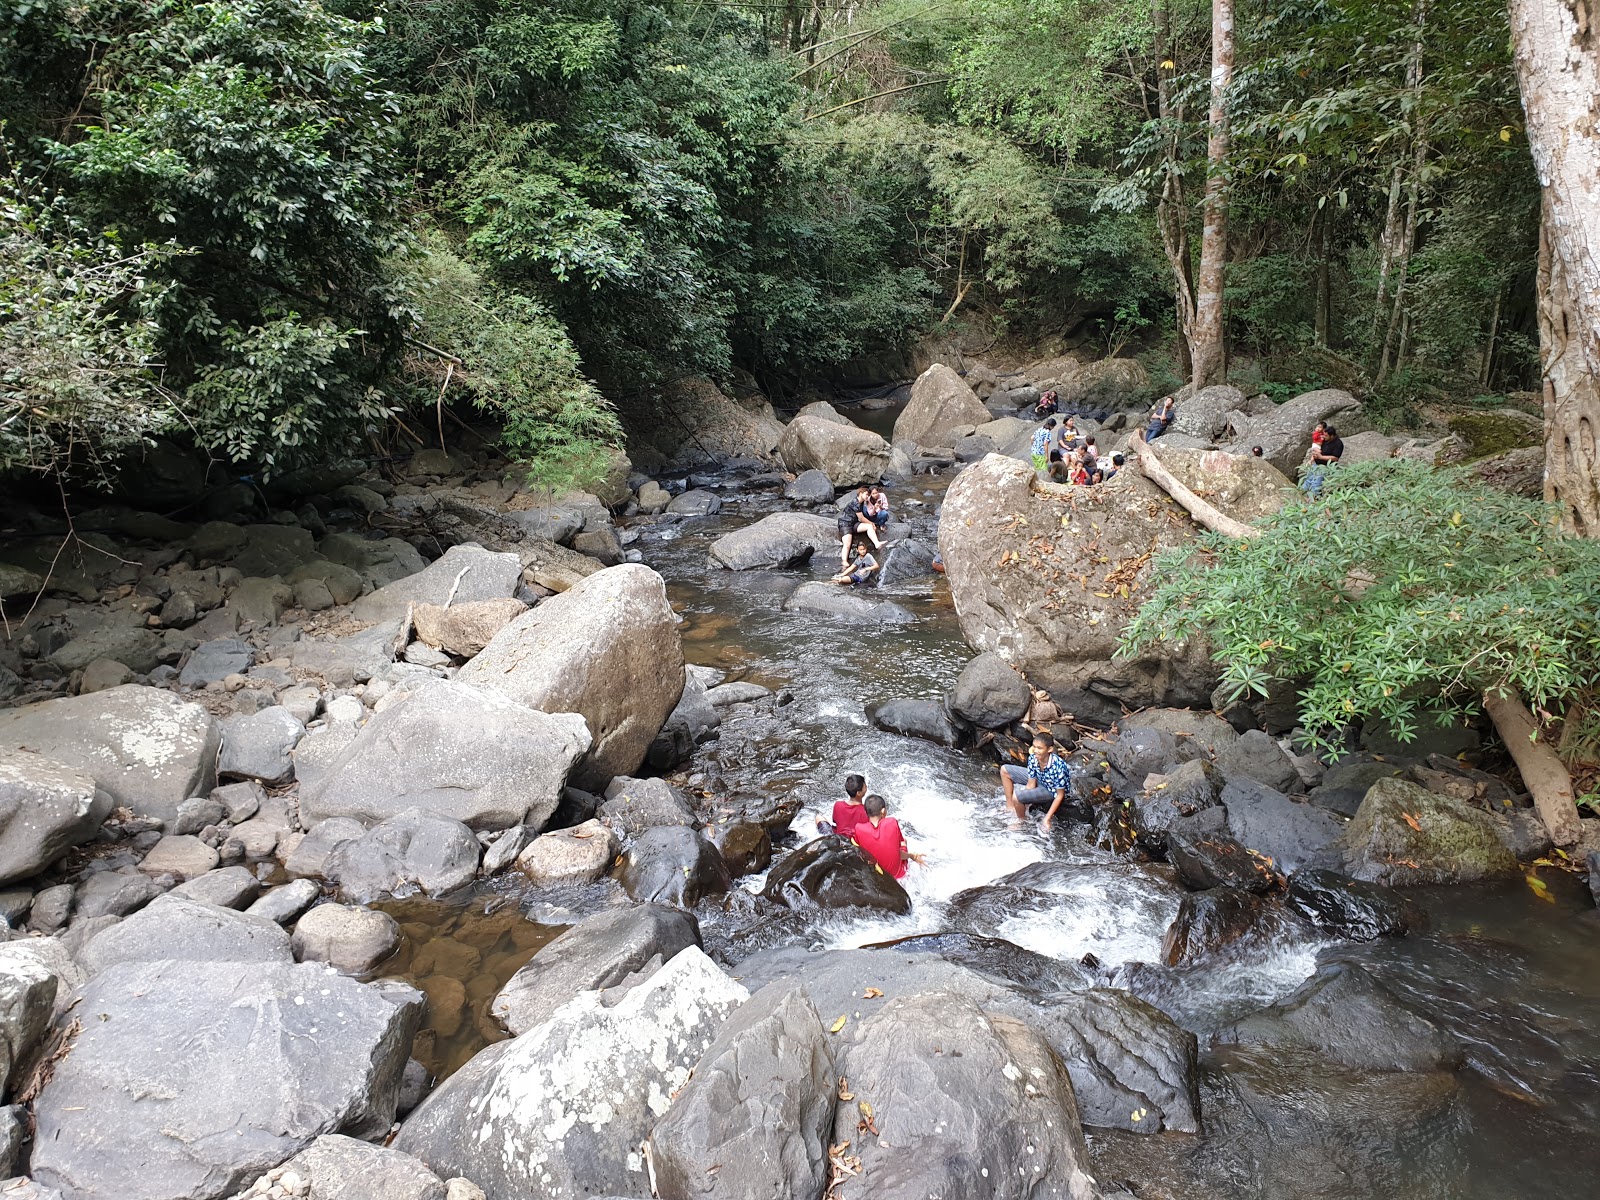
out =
column 879, row 835
column 1044, row 781
column 847, row 813
column 1160, row 418
column 1325, row 455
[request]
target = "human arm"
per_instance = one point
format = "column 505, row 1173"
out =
column 1061, row 794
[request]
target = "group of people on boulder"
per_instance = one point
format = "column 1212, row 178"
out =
column 862, row 520
column 862, row 817
column 1068, row 457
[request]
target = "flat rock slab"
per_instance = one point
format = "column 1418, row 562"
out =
column 145, row 747
column 188, row 1080
column 778, row 540
column 177, row 928
column 472, row 572
column 834, row 600
column 46, row 808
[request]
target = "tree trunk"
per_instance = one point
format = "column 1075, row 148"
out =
column 1172, row 211
column 1322, row 314
column 1557, row 51
column 1202, row 511
column 1542, row 769
column 1210, row 355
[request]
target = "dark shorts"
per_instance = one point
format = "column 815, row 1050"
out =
column 847, row 525
column 1035, row 797
column 860, row 577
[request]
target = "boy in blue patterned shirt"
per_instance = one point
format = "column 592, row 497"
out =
column 1044, row 781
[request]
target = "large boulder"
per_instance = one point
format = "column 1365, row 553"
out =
column 146, row 748
column 578, row 854
column 178, row 928
column 1245, row 488
column 778, row 540
column 846, row 454
column 989, row 693
column 455, row 750
column 1047, row 577
column 1405, row 835
column 690, row 423
column 260, row 745
column 46, row 808
column 598, row 952
column 754, row 1118
column 940, row 402
column 964, row 1102
column 562, row 1109
column 349, row 939
column 1284, row 434
column 673, row 864
column 28, row 990
column 830, row 872
column 911, row 717
column 1348, row 907
column 465, row 629
column 832, row 600
column 414, row 850
column 1256, row 755
column 1204, row 415
column 1108, row 383
column 607, row 649
column 187, row 1080
column 1290, row 833
column 335, row 1167
column 465, row 573
column 633, row 805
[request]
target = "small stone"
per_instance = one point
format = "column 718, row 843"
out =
column 183, row 856
column 284, row 904
column 577, row 855
column 351, row 939
column 103, row 673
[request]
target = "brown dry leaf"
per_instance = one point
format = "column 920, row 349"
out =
column 582, row 836
column 871, row 994
column 1412, row 821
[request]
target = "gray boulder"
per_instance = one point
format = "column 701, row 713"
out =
column 958, row 1094
column 228, row 887
column 28, row 991
column 176, row 928
column 607, row 649
column 414, row 850
column 286, row 902
column 310, row 855
column 135, row 647
column 114, row 893
column 465, row 629
column 183, row 856
column 778, row 540
column 755, row 1117
column 349, row 939
column 149, row 750
column 940, row 402
column 580, row 854
column 1257, row 755
column 602, row 951
column 1204, row 415
column 335, row 1167
column 910, row 717
column 809, row 487
column 693, row 721
column 1175, row 796
column 633, row 805
column 673, row 864
column 46, row 808
column 1292, row 834
column 104, row 673
column 1285, row 433
column 832, row 600
column 846, row 454
column 563, row 1108
column 1403, row 835
column 259, row 746
column 989, row 693
column 696, row 502
column 191, row 1079
column 454, row 750
column 466, row 572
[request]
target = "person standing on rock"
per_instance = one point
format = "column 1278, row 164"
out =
column 879, row 835
column 1044, row 781
column 1040, row 447
column 847, row 813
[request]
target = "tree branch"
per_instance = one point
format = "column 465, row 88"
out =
column 1206, row 514
column 1542, row 769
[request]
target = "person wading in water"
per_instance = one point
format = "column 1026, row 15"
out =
column 1044, row 782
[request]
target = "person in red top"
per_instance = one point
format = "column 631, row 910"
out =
column 880, row 837
column 847, row 813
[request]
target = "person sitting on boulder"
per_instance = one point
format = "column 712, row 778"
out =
column 877, row 509
column 1066, row 437
column 1116, row 465
column 847, row 813
column 1040, row 447
column 853, row 519
column 1160, row 418
column 879, row 836
column 1325, row 455
column 1045, row 780
column 1047, row 404
column 860, row 569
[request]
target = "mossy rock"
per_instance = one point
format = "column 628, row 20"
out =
column 1495, row 431
column 1403, row 835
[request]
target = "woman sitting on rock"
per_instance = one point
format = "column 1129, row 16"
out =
column 854, row 519
column 1047, row 405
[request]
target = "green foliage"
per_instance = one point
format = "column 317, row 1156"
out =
column 1401, row 592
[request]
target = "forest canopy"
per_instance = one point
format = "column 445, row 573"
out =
column 271, row 227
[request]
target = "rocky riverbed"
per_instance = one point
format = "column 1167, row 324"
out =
column 422, row 839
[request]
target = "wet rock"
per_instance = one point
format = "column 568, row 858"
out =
column 928, row 719
column 695, row 720
column 46, row 808
column 1346, row 1016
column 696, row 502
column 258, row 746
column 604, row 951
column 725, row 695
column 832, row 873
column 940, row 402
column 810, row 487
column 341, row 1168
column 163, row 1095
column 27, row 1003
column 465, row 573
column 673, row 864
column 989, row 693
column 846, row 454
column 1524, row 833
column 832, row 600
column 182, row 856
column 1169, row 799
column 1208, row 922
column 180, row 929
column 283, row 904
column 1215, row 860
column 959, row 1094
column 754, row 1118
column 998, row 959
column 746, row 847
column 579, row 854
column 607, row 649
column 465, row 629
column 528, row 1097
column 1140, row 751
column 145, row 747
column 775, row 541
column 1348, row 907
column 633, row 805
column 228, row 887
column 349, row 939
column 1291, row 834
column 455, row 750
column 1257, row 755
column 1403, row 835
column 413, row 850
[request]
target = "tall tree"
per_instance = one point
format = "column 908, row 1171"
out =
column 1557, row 46
column 1206, row 345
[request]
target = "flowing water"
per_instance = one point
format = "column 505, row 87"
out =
column 1514, row 977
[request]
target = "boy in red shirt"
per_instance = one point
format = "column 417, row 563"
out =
column 880, row 837
column 847, row 813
